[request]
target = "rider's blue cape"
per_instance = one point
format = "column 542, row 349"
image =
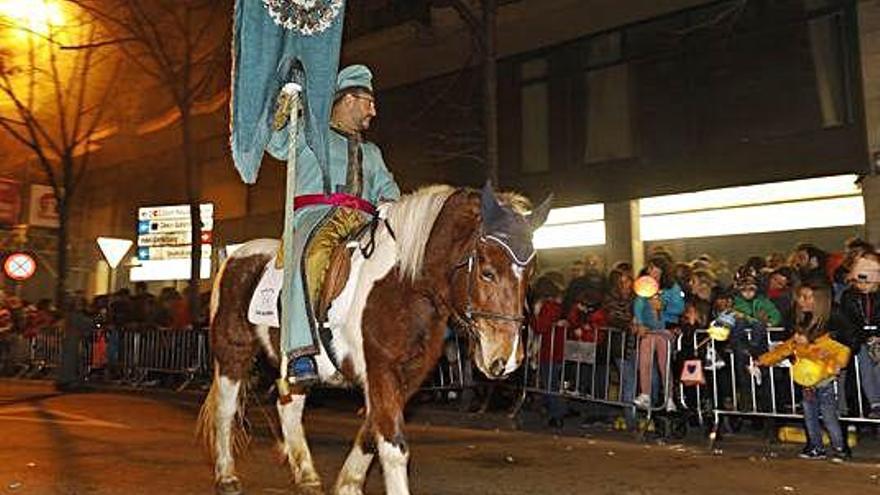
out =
column 264, row 58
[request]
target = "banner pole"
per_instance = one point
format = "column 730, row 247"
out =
column 291, row 93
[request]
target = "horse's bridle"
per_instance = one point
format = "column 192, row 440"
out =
column 468, row 320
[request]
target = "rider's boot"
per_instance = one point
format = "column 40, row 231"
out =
column 302, row 371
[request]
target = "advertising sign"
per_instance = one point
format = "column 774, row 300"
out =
column 43, row 210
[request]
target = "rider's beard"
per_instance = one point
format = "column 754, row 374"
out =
column 365, row 123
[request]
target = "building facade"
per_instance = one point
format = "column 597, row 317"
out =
column 599, row 101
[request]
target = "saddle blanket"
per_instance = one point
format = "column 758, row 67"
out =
column 263, row 308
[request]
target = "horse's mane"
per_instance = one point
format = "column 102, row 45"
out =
column 515, row 201
column 412, row 218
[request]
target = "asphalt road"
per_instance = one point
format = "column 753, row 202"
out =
column 125, row 443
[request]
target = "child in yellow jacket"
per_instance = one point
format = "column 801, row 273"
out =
column 819, row 359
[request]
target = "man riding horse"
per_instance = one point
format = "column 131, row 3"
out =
column 359, row 181
column 439, row 254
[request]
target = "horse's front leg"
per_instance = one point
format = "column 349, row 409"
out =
column 387, row 401
column 354, row 472
column 295, row 446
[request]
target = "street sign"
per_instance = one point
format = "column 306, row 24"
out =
column 169, row 252
column 172, row 239
column 206, row 211
column 113, row 249
column 167, row 270
column 165, row 226
column 164, row 241
column 19, row 266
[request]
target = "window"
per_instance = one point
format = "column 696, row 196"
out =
column 609, row 130
column 825, row 43
column 604, row 49
column 535, row 127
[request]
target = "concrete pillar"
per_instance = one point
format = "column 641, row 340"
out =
column 871, row 196
column 623, row 239
column 869, row 48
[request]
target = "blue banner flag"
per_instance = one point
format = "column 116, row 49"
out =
column 276, row 42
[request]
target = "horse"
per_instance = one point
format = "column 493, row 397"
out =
column 441, row 254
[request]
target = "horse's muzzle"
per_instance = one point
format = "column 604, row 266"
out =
column 497, row 368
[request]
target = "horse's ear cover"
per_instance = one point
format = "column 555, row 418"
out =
column 491, row 211
column 539, row 214
column 510, row 229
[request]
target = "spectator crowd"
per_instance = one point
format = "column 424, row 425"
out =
column 21, row 320
column 806, row 298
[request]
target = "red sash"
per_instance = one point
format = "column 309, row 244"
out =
column 335, row 199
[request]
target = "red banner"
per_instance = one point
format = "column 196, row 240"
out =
column 10, row 202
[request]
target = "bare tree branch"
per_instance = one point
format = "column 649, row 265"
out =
column 34, row 127
column 83, row 78
column 99, row 44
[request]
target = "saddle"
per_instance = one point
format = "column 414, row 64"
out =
column 334, row 280
column 327, row 258
column 327, row 265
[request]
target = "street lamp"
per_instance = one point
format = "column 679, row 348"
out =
column 36, row 16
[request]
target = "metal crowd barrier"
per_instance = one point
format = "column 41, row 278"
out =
column 45, row 350
column 594, row 372
column 133, row 354
column 733, row 391
column 453, row 371
column 167, row 352
column 597, row 373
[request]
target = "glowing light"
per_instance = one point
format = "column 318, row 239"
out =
column 572, row 214
column 780, row 217
column 574, row 226
column 773, row 207
column 36, row 16
column 774, row 192
column 570, row 235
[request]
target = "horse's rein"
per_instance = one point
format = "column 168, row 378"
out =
column 470, row 313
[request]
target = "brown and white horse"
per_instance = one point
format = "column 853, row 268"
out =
column 444, row 254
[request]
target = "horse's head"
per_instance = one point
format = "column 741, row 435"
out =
column 490, row 282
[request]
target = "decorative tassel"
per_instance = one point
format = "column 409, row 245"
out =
column 308, row 17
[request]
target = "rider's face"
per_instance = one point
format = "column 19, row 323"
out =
column 362, row 109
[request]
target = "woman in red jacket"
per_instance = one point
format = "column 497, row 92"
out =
column 547, row 322
column 586, row 323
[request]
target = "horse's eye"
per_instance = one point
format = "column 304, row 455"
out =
column 488, row 276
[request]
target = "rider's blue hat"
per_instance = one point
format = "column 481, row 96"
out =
column 355, row 76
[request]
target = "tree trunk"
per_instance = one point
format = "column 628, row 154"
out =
column 490, row 89
column 193, row 193
column 61, row 260
column 68, row 374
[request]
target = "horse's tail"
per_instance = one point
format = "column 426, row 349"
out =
column 215, row 292
column 225, row 393
column 206, row 425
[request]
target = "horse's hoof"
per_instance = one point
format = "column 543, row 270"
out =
column 309, row 489
column 348, row 489
column 228, row 487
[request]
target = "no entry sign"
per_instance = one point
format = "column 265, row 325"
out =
column 19, row 266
